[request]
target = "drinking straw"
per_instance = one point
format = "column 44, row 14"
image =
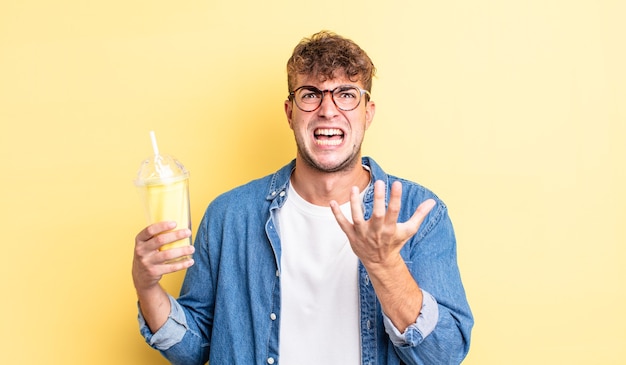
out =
column 155, row 148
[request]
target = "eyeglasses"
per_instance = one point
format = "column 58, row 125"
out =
column 345, row 97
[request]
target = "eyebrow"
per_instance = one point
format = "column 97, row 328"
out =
column 335, row 88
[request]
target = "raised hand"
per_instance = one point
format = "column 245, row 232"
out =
column 380, row 238
column 378, row 241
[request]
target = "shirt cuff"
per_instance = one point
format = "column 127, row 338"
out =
column 416, row 332
column 170, row 333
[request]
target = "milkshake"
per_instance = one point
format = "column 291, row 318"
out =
column 163, row 185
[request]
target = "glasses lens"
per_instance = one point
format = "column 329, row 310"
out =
column 308, row 98
column 347, row 97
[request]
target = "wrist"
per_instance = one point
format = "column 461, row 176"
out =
column 390, row 263
column 147, row 293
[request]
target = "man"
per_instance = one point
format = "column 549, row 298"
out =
column 327, row 261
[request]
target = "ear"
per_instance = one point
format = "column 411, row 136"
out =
column 289, row 112
column 370, row 110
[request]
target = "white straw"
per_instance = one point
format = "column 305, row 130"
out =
column 155, row 148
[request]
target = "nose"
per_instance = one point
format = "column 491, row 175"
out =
column 328, row 107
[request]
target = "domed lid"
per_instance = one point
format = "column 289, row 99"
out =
column 160, row 169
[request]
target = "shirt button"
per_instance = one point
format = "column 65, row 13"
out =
column 282, row 193
column 270, row 360
column 273, row 316
column 369, row 324
column 367, row 280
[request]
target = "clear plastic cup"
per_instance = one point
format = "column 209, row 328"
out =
column 163, row 185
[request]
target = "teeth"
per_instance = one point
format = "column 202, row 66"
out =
column 328, row 142
column 328, row 132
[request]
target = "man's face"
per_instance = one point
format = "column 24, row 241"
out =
column 328, row 138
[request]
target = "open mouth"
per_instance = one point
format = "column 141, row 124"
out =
column 328, row 136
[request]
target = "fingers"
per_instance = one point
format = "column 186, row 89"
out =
column 154, row 229
column 378, row 211
column 395, row 202
column 150, row 244
column 421, row 212
column 344, row 223
column 178, row 265
column 174, row 254
column 158, row 234
column 166, row 261
column 384, row 217
column 149, row 263
column 356, row 205
column 356, row 211
column 381, row 236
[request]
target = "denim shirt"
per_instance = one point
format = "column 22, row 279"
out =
column 228, row 311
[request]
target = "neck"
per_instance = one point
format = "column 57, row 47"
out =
column 319, row 187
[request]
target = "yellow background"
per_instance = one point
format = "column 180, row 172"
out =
column 514, row 112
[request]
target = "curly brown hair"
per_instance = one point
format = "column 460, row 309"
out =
column 325, row 53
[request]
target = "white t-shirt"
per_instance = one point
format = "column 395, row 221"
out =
column 319, row 287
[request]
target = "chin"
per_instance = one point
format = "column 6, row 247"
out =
column 336, row 166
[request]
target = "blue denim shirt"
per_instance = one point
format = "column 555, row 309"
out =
column 228, row 311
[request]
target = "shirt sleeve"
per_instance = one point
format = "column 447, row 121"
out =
column 170, row 333
column 423, row 326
